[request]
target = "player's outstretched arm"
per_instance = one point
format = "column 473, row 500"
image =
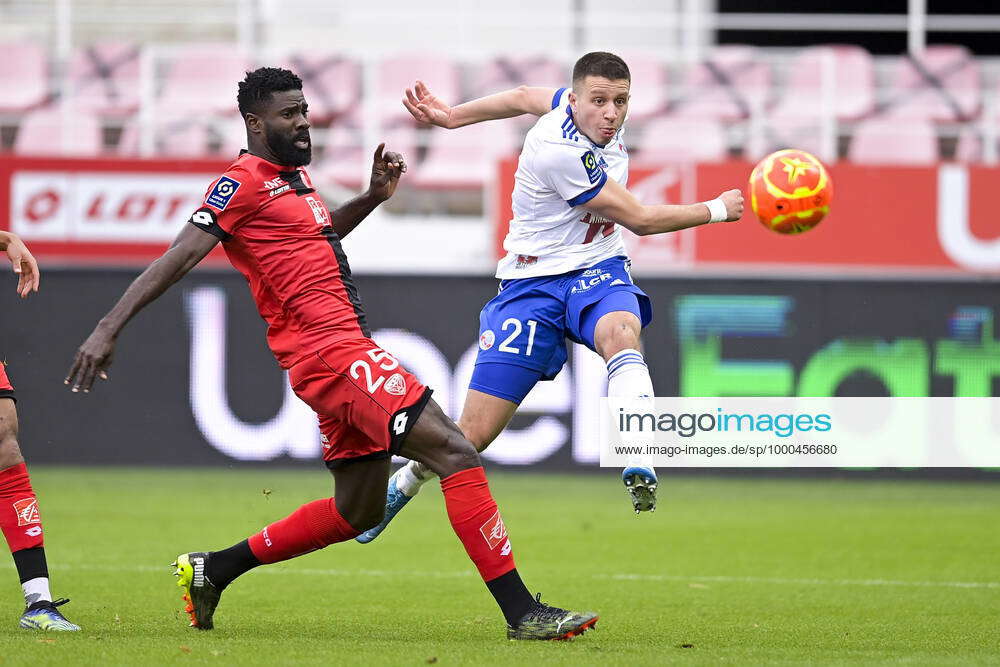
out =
column 23, row 263
column 426, row 107
column 94, row 356
column 387, row 167
column 616, row 203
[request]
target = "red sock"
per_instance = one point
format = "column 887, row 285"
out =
column 19, row 519
column 310, row 527
column 476, row 519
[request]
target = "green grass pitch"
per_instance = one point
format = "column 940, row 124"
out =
column 726, row 571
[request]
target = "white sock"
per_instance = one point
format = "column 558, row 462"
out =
column 36, row 590
column 411, row 477
column 628, row 377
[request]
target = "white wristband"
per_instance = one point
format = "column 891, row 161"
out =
column 717, row 209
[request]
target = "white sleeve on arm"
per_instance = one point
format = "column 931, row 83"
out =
column 572, row 171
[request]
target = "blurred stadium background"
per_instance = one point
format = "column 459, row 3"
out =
column 115, row 115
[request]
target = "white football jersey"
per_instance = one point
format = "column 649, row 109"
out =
column 560, row 170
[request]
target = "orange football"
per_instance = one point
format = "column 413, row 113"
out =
column 790, row 191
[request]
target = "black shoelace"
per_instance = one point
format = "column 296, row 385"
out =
column 546, row 612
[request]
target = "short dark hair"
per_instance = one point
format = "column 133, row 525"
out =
column 258, row 86
column 601, row 63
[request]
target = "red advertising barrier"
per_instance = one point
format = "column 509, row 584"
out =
column 94, row 210
column 938, row 219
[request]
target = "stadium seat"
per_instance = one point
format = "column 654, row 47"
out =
column 894, row 141
column 729, row 85
column 969, row 147
column 504, row 73
column 466, row 158
column 183, row 136
column 941, row 85
column 202, row 80
column 104, row 78
column 41, row 133
column 347, row 163
column 853, row 88
column 397, row 74
column 681, row 139
column 649, row 89
column 332, row 86
column 24, row 73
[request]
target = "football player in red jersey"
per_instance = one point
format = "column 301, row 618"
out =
column 277, row 231
column 20, row 522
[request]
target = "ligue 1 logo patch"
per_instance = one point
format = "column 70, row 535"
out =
column 26, row 510
column 590, row 164
column 223, row 191
column 487, row 339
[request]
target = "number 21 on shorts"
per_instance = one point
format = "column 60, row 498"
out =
column 382, row 359
column 514, row 325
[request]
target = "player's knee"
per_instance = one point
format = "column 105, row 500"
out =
column 617, row 334
column 10, row 452
column 475, row 433
column 458, row 454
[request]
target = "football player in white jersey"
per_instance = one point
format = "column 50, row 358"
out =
column 566, row 272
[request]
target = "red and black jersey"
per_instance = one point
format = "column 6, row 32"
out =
column 277, row 232
column 6, row 388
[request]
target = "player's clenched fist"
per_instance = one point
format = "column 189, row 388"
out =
column 733, row 199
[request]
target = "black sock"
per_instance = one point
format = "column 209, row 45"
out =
column 226, row 565
column 30, row 563
column 512, row 596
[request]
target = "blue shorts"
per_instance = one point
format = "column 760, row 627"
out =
column 523, row 329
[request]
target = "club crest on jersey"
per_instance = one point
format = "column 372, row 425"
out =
column 591, row 166
column 26, row 510
column 223, row 191
column 493, row 531
column 487, row 339
column 319, row 211
column 395, row 385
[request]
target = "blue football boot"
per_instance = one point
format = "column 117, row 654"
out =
column 395, row 500
column 640, row 482
column 44, row 616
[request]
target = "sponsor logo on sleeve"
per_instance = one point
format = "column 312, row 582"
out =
column 590, row 165
column 203, row 216
column 223, row 191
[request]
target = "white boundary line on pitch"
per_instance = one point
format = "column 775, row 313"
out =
column 616, row 577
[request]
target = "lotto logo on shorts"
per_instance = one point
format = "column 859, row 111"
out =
column 494, row 532
column 26, row 510
column 487, row 339
column 395, row 385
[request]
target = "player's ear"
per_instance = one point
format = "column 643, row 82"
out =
column 254, row 123
column 572, row 99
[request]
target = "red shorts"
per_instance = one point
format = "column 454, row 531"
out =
column 366, row 402
column 6, row 388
